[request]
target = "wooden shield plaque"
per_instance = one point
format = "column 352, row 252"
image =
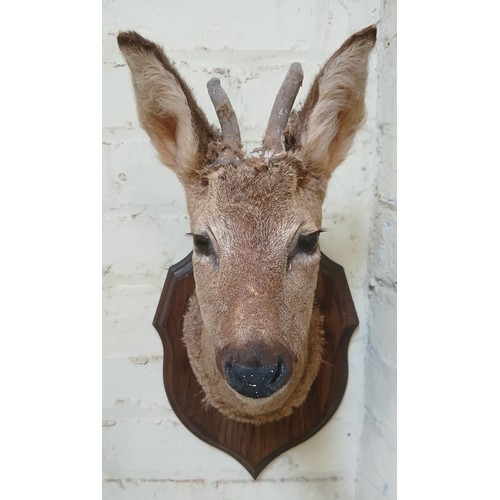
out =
column 255, row 446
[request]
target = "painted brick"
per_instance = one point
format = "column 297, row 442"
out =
column 133, row 390
column 141, row 249
column 173, row 489
column 377, row 476
column 383, row 321
column 242, row 26
column 377, row 461
column 128, row 312
column 138, row 178
column 383, row 261
column 160, row 448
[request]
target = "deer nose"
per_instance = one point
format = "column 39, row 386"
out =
column 260, row 381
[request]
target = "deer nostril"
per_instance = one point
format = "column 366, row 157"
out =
column 257, row 381
column 280, row 368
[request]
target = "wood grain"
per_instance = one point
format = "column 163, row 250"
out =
column 254, row 446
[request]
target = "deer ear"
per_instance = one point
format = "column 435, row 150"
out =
column 334, row 108
column 165, row 106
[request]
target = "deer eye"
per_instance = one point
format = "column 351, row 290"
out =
column 202, row 244
column 308, row 243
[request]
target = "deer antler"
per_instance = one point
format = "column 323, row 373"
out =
column 227, row 118
column 273, row 139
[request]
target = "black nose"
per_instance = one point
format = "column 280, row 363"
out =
column 257, row 381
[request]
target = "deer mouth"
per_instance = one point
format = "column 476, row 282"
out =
column 257, row 380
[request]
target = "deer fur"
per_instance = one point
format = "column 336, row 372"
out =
column 254, row 223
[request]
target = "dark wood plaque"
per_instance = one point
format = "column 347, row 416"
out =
column 255, row 446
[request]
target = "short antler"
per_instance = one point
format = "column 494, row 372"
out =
column 227, row 118
column 273, row 139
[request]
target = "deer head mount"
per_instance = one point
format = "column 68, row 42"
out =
column 252, row 331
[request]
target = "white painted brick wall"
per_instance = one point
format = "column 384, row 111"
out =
column 146, row 452
column 377, row 464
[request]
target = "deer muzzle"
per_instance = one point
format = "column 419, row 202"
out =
column 255, row 371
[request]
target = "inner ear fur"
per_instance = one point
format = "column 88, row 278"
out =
column 334, row 108
column 166, row 107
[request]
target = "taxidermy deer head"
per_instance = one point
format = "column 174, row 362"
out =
column 252, row 332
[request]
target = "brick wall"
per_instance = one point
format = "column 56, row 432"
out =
column 147, row 453
column 377, row 464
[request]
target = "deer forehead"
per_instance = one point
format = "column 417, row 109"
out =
column 255, row 194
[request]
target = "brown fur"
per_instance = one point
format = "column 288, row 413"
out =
column 229, row 402
column 254, row 290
